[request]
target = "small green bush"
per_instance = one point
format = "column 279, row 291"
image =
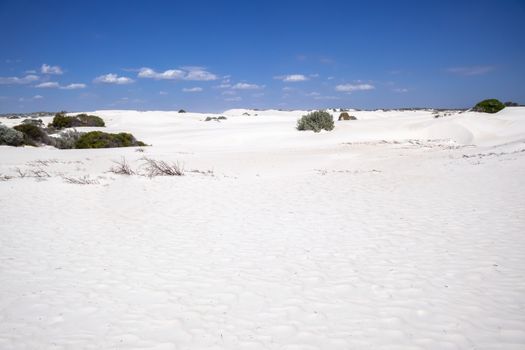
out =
column 99, row 139
column 33, row 135
column 489, row 106
column 90, row 120
column 10, row 137
column 61, row 121
column 316, row 121
column 182, row 111
column 37, row 122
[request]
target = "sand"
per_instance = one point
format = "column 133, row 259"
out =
column 395, row 231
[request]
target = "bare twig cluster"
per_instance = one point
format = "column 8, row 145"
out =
column 38, row 173
column 161, row 168
column 122, row 168
column 84, row 180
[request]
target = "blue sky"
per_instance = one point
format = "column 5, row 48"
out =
column 214, row 55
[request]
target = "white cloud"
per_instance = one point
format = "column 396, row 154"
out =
column 354, row 87
column 55, row 85
column 193, row 89
column 185, row 73
column 163, row 93
column 47, row 69
column 292, row 78
column 16, row 80
column 474, row 70
column 48, row 85
column 113, row 79
column 224, row 86
column 246, row 86
column 166, row 75
column 199, row 74
column 74, row 86
column 229, row 92
column 313, row 94
column 38, row 97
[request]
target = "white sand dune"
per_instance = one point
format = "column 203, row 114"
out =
column 395, row 231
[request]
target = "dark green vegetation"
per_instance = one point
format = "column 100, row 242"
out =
column 61, row 121
column 489, row 106
column 34, row 135
column 99, row 139
column 316, row 121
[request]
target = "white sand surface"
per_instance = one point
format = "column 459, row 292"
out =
column 395, row 231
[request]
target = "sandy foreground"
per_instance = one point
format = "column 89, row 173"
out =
column 395, row 231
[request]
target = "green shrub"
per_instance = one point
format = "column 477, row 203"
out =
column 489, row 106
column 10, row 137
column 316, row 121
column 182, row 111
column 37, row 122
column 90, row 120
column 61, row 121
column 33, row 135
column 99, row 139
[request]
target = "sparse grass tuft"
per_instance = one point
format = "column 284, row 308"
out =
column 83, row 180
column 122, row 168
column 161, row 168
